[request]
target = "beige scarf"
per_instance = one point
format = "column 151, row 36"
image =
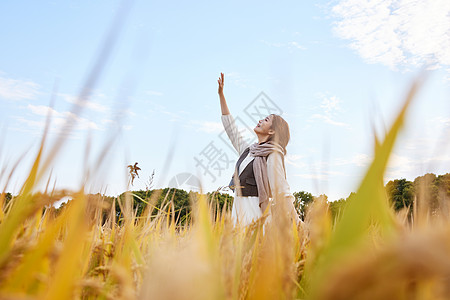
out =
column 260, row 151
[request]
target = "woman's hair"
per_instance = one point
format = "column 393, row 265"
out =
column 281, row 128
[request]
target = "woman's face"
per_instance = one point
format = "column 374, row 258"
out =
column 264, row 126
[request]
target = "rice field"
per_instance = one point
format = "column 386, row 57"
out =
column 85, row 252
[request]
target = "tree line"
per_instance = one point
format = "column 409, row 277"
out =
column 430, row 192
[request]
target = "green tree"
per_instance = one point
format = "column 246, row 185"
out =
column 337, row 208
column 302, row 200
column 400, row 193
column 219, row 200
column 442, row 183
column 172, row 200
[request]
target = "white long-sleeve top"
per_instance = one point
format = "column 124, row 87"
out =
column 275, row 169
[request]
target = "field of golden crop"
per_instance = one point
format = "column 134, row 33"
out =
column 369, row 253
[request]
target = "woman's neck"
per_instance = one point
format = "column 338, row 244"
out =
column 262, row 138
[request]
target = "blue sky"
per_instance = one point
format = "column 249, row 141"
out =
column 337, row 70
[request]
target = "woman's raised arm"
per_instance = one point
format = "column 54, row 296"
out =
column 223, row 102
column 228, row 122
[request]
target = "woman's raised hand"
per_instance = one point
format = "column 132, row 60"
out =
column 223, row 102
column 221, row 81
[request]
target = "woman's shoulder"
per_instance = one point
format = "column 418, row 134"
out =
column 275, row 156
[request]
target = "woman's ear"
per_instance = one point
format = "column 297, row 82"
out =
column 271, row 131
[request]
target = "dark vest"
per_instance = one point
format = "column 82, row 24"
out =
column 247, row 181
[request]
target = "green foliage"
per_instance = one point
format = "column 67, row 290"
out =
column 174, row 202
column 220, row 200
column 401, row 194
column 302, row 200
column 433, row 192
column 337, row 208
column 443, row 184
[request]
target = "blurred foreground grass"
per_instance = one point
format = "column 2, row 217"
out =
column 369, row 253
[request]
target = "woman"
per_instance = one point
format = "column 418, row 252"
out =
column 260, row 173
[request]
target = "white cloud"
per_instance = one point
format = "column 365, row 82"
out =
column 89, row 104
column 209, row 127
column 295, row 160
column 58, row 119
column 36, row 126
column 206, row 126
column 405, row 166
column 295, row 45
column 294, row 157
column 174, row 116
column 129, row 112
column 442, row 159
column 362, row 160
column 397, row 161
column 441, row 123
column 328, row 120
column 13, row 89
column 402, row 166
column 396, row 33
column 42, row 110
column 359, row 160
column 331, row 108
column 331, row 104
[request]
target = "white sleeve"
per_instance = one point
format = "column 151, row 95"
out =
column 233, row 133
column 278, row 183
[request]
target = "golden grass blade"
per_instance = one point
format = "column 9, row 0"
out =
column 21, row 208
column 67, row 269
column 36, row 259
